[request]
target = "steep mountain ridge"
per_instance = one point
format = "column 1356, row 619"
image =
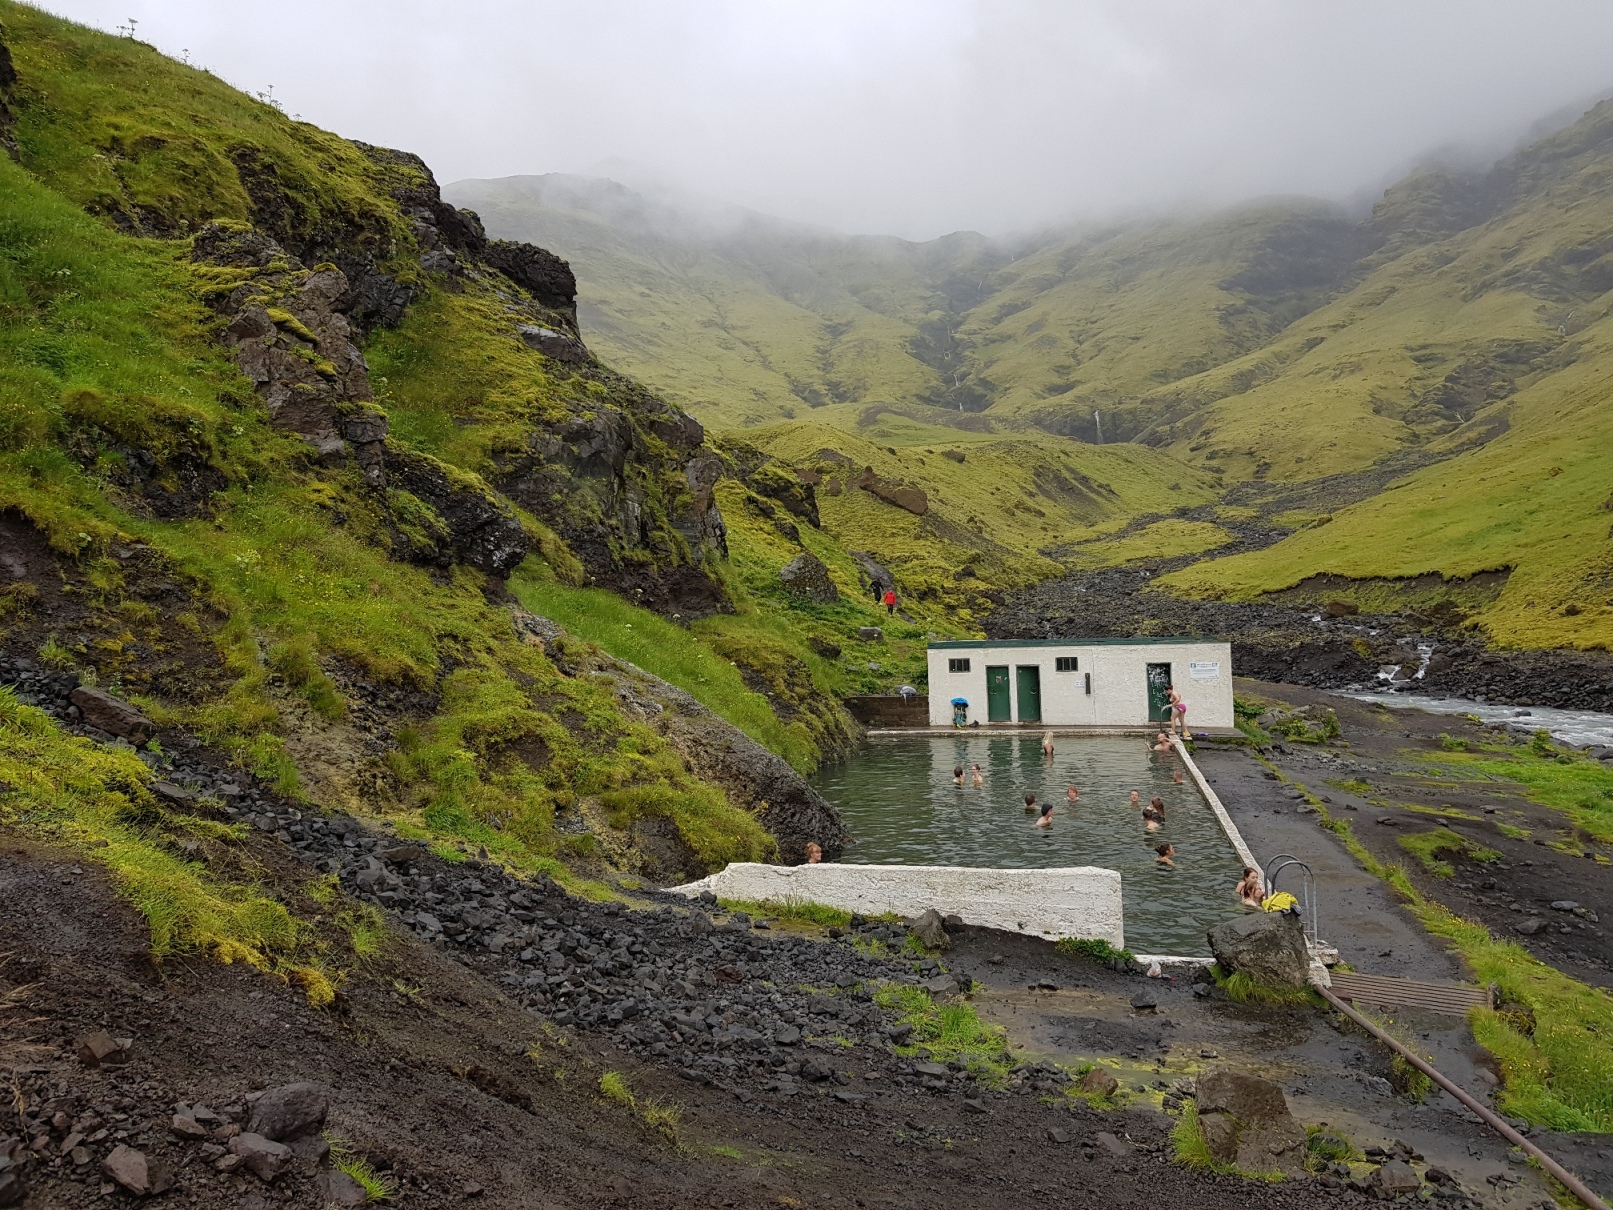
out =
column 279, row 432
column 1316, row 369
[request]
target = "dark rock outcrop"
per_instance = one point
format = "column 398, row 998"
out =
column 1245, row 1121
column 902, row 495
column 1269, row 947
column 537, row 270
column 473, row 525
column 291, row 339
column 603, row 482
column 8, row 81
column 99, row 709
column 806, row 576
column 297, row 347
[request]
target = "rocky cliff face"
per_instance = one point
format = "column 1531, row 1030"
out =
column 625, row 480
column 291, row 340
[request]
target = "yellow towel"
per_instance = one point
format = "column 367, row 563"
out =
column 1280, row 902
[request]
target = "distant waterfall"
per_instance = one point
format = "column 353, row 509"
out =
column 1098, row 421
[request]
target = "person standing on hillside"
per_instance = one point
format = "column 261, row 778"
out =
column 890, row 602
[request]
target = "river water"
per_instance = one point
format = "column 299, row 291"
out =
column 1576, row 727
column 898, row 800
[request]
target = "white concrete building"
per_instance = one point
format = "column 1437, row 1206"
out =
column 1080, row 682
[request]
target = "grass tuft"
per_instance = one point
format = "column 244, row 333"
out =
column 663, row 1117
column 951, row 1032
column 1094, row 949
column 378, row 1186
column 800, row 910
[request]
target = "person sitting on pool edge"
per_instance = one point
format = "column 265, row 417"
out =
column 1045, row 819
column 957, row 775
column 1249, row 890
column 1166, row 851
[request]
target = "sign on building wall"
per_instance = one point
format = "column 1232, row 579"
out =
column 1204, row 670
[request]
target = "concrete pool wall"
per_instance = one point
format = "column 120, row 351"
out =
column 1079, row 901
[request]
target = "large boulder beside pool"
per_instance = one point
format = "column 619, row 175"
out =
column 1269, row 947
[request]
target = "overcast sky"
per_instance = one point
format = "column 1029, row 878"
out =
column 913, row 117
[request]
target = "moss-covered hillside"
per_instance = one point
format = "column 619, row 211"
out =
column 286, row 444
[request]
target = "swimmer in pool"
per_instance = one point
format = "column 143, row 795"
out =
column 1072, row 796
column 814, row 852
column 1163, row 743
column 1166, row 852
column 1154, row 814
column 957, row 776
column 1045, row 819
column 975, row 771
column 1047, row 744
column 1030, row 803
column 1176, row 776
column 1250, row 891
column 1136, row 801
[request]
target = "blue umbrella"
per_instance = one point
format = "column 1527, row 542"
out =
column 960, row 701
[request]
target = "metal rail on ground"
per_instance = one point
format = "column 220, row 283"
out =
column 1571, row 1182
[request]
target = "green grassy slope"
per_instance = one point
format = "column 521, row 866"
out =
column 1271, row 347
column 282, row 601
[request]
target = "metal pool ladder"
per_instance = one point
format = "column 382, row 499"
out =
column 1306, row 894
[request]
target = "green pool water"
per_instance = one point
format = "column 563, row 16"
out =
column 899, row 803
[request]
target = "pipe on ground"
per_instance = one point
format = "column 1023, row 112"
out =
column 1571, row 1182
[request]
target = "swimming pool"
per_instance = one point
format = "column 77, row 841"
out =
column 898, row 801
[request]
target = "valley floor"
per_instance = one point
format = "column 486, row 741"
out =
column 457, row 1094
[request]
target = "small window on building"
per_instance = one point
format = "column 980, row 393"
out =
column 1066, row 663
column 957, row 665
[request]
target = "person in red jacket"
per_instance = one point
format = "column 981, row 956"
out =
column 890, row 601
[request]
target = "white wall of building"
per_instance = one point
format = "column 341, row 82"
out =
column 1079, row 901
column 1201, row 671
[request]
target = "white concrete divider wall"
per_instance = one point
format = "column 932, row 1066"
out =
column 1076, row 901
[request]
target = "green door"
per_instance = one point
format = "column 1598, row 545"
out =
column 997, row 694
column 1029, row 678
column 1159, row 701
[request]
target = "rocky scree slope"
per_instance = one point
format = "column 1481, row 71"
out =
column 206, row 502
